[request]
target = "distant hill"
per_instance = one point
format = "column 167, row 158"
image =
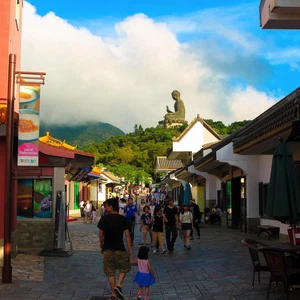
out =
column 81, row 135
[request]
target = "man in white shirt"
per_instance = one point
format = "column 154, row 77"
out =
column 87, row 211
column 81, row 206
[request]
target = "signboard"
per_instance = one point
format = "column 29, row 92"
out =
column 29, row 126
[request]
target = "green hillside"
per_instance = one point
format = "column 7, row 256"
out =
column 81, row 135
column 132, row 156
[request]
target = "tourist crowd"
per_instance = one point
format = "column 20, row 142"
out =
column 155, row 220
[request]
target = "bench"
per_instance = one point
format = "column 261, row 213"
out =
column 269, row 229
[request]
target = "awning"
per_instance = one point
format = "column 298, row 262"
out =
column 93, row 176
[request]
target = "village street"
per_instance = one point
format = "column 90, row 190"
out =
column 217, row 267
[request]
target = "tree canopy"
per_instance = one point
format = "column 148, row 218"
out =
column 222, row 129
column 132, row 156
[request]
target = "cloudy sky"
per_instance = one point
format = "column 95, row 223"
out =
column 118, row 61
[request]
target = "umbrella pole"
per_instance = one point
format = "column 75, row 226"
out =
column 294, row 235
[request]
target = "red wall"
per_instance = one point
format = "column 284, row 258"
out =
column 10, row 41
column 2, row 183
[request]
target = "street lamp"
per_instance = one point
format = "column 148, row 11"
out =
column 33, row 78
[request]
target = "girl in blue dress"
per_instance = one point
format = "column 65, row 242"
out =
column 145, row 277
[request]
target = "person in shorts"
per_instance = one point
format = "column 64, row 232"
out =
column 112, row 227
column 186, row 222
column 87, row 212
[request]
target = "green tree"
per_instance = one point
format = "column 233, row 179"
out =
column 130, row 173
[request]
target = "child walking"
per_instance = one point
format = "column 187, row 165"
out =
column 186, row 221
column 145, row 277
column 158, row 232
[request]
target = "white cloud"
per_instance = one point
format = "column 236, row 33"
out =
column 125, row 79
column 290, row 56
column 247, row 104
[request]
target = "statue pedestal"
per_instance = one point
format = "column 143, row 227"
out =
column 162, row 124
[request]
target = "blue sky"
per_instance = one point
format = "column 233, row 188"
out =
column 93, row 9
column 223, row 56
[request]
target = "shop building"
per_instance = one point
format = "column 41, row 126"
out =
column 61, row 168
column 198, row 135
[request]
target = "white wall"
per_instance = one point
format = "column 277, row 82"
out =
column 226, row 154
column 250, row 166
column 94, row 190
column 264, row 168
column 208, row 137
column 211, row 187
column 194, row 139
column 102, row 194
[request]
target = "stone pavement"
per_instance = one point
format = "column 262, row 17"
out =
column 217, row 267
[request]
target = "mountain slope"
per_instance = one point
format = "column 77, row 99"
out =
column 81, row 135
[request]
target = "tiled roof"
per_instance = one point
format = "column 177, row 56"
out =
column 162, row 163
column 276, row 118
column 51, row 141
column 111, row 176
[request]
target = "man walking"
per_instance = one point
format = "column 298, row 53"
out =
column 81, row 206
column 171, row 223
column 130, row 212
column 87, row 211
column 111, row 230
column 196, row 217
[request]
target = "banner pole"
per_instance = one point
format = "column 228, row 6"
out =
column 7, row 269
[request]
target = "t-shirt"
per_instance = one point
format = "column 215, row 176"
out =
column 158, row 225
column 170, row 214
column 186, row 217
column 147, row 219
column 113, row 226
column 130, row 211
column 88, row 207
column 81, row 204
column 218, row 212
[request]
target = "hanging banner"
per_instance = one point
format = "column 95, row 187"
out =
column 29, row 126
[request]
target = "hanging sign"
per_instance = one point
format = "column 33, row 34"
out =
column 29, row 125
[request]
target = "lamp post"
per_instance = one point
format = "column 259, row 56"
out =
column 7, row 269
column 34, row 78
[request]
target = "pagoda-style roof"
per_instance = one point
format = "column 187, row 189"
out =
column 3, row 111
column 58, row 153
column 55, row 143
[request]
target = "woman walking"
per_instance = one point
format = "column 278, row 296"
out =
column 146, row 224
column 186, row 221
column 141, row 207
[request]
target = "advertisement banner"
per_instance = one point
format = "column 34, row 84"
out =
column 29, row 126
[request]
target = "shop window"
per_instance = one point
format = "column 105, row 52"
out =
column 34, row 199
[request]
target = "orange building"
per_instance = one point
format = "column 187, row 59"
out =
column 34, row 188
column 10, row 43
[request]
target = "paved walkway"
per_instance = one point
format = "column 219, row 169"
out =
column 217, row 267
